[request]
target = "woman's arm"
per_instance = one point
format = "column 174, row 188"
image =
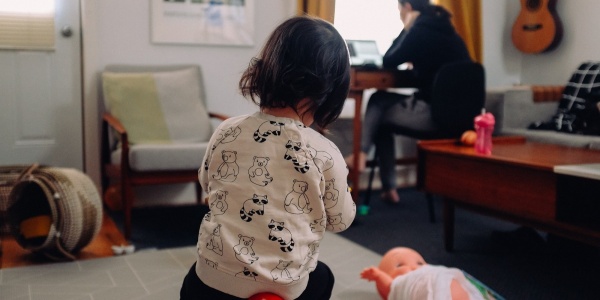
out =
column 405, row 48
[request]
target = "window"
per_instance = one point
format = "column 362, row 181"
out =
column 27, row 24
column 377, row 20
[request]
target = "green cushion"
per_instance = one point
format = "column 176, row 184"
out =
column 158, row 107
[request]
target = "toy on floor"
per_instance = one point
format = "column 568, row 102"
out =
column 123, row 249
column 404, row 274
column 265, row 296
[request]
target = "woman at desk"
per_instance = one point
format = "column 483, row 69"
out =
column 427, row 42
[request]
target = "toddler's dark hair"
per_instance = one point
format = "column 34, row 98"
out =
column 304, row 57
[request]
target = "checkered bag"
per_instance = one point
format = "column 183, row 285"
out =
column 579, row 107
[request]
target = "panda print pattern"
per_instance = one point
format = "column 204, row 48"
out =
column 282, row 235
column 266, row 129
column 254, row 205
column 296, row 186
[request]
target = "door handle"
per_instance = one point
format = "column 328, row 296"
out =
column 66, row 31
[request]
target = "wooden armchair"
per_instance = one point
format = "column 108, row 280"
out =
column 155, row 130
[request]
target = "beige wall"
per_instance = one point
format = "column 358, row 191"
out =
column 116, row 31
column 505, row 65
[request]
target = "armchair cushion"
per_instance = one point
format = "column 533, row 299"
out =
column 163, row 157
column 158, row 107
column 554, row 137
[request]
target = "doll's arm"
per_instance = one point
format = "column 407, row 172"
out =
column 383, row 281
column 457, row 291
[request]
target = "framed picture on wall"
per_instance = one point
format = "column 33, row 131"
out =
column 208, row 22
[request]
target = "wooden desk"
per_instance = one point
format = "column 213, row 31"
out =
column 517, row 183
column 361, row 80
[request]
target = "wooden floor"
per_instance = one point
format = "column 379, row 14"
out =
column 13, row 255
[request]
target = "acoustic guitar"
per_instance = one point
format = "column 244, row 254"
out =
column 537, row 27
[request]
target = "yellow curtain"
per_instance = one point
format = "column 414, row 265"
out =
column 324, row 9
column 467, row 21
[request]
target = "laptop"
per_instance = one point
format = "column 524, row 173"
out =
column 364, row 53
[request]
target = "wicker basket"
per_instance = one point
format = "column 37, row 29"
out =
column 67, row 199
column 8, row 178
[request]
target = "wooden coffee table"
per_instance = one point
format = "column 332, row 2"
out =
column 517, row 183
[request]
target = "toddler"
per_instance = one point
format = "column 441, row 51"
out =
column 274, row 184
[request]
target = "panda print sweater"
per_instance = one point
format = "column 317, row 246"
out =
column 274, row 187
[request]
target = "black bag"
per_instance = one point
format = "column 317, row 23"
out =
column 578, row 110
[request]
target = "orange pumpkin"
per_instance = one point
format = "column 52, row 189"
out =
column 468, row 137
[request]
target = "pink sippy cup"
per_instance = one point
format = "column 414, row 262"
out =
column 484, row 126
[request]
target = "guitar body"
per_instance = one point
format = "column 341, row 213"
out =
column 537, row 27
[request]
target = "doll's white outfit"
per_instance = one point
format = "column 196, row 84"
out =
column 431, row 282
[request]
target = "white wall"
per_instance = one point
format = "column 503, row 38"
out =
column 580, row 42
column 119, row 32
column 116, row 31
column 501, row 59
column 505, row 65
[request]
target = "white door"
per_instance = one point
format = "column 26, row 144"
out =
column 40, row 98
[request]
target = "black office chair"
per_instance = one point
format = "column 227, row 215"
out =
column 458, row 95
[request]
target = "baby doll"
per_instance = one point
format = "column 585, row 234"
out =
column 404, row 274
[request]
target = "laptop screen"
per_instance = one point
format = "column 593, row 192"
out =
column 364, row 53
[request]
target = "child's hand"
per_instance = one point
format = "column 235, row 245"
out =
column 370, row 273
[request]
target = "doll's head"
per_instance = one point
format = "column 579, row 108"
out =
column 401, row 260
